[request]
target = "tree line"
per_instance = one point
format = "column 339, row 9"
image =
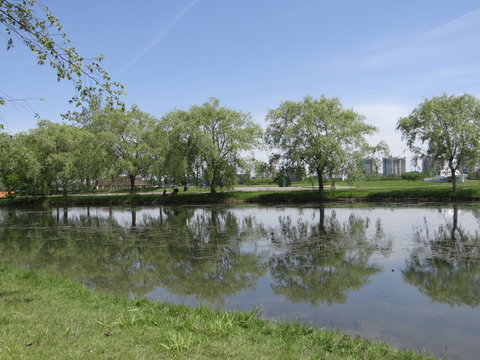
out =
column 196, row 146
column 207, row 144
column 201, row 145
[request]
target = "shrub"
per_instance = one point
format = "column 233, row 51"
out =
column 413, row 176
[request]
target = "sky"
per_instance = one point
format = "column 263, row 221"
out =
column 380, row 57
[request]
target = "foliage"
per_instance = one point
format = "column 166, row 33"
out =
column 210, row 138
column 319, row 133
column 413, row 176
column 447, row 128
column 58, row 147
column 264, row 170
column 129, row 136
column 32, row 23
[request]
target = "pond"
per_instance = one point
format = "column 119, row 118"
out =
column 408, row 275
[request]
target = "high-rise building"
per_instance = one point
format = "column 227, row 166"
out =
column 368, row 166
column 393, row 166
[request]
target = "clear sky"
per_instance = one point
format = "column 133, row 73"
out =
column 381, row 57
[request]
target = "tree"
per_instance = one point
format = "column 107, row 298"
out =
column 215, row 136
column 181, row 158
column 34, row 25
column 128, row 135
column 446, row 128
column 59, row 149
column 319, row 133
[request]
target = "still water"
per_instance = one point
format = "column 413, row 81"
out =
column 408, row 275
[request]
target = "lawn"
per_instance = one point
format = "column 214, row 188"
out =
column 392, row 190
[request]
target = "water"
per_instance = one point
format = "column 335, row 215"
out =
column 405, row 274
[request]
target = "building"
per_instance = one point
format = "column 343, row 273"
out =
column 368, row 166
column 393, row 166
column 429, row 165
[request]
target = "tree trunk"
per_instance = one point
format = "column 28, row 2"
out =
column 320, row 182
column 213, row 190
column 132, row 184
column 64, row 190
column 454, row 179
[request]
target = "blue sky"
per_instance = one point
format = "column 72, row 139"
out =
column 381, row 57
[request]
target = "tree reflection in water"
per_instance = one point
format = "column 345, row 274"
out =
column 446, row 264
column 199, row 252
column 320, row 261
column 209, row 262
column 185, row 251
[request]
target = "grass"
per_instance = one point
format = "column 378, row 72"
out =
column 43, row 317
column 394, row 190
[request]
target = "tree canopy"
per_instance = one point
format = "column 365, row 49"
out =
column 446, row 128
column 129, row 137
column 319, row 133
column 31, row 23
column 213, row 137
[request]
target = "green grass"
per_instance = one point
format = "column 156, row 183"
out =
column 43, row 317
column 394, row 190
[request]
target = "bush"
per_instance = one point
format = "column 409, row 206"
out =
column 474, row 175
column 261, row 181
column 413, row 176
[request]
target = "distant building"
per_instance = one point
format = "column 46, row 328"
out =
column 430, row 165
column 393, row 166
column 368, row 166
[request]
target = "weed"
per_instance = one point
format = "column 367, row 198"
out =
column 177, row 344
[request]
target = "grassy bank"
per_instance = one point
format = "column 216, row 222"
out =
column 47, row 318
column 399, row 190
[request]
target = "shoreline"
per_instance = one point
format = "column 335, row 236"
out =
column 44, row 317
column 247, row 197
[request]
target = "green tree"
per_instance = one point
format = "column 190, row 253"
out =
column 319, row 133
column 93, row 160
column 7, row 164
column 21, row 168
column 129, row 137
column 214, row 137
column 447, row 128
column 181, row 154
column 264, row 170
column 58, row 148
column 31, row 23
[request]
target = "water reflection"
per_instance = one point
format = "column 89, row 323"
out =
column 446, row 264
column 205, row 258
column 185, row 251
column 321, row 260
